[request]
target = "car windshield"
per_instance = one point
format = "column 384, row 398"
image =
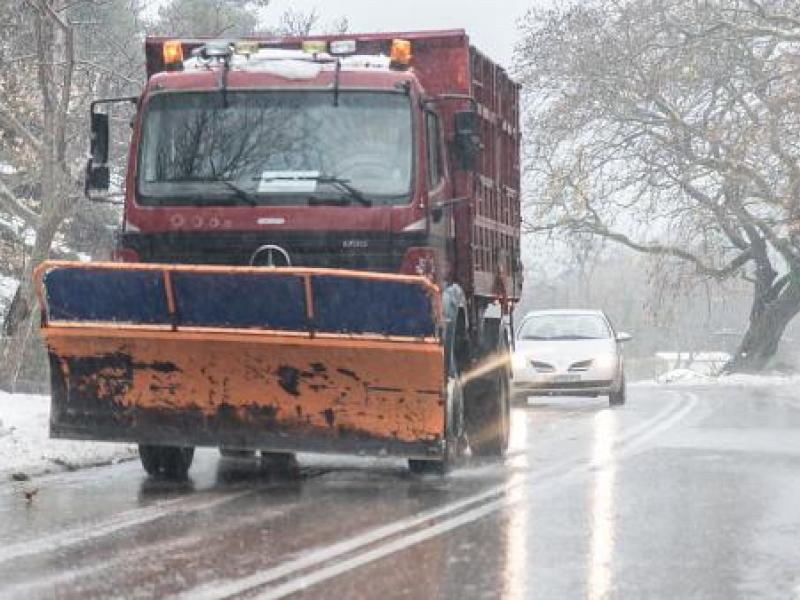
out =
column 565, row 327
column 275, row 148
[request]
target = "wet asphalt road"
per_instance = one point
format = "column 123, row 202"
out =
column 686, row 492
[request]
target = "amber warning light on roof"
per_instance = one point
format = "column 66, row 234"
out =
column 173, row 54
column 401, row 53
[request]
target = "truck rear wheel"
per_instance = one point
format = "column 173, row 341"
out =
column 169, row 462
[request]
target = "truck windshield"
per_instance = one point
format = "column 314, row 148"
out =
column 275, row 148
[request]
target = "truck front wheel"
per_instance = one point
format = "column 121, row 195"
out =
column 454, row 433
column 489, row 414
column 169, row 462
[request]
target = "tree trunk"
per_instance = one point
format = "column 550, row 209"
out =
column 19, row 319
column 768, row 321
column 54, row 46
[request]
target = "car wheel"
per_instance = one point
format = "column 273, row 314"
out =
column 617, row 398
column 169, row 462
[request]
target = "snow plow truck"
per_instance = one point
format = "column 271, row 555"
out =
column 320, row 250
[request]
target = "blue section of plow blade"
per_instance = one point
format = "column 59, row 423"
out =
column 348, row 305
column 276, row 301
column 106, row 295
column 240, row 300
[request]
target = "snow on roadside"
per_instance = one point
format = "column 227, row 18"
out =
column 8, row 287
column 682, row 376
column 26, row 448
column 689, row 377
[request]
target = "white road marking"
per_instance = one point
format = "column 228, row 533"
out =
column 494, row 497
column 174, row 546
column 98, row 529
column 305, row 581
column 325, row 573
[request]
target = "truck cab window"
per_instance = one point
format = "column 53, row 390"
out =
column 435, row 162
column 279, row 147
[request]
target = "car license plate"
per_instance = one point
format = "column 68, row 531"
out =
column 566, row 378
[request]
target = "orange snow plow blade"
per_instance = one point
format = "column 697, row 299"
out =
column 273, row 359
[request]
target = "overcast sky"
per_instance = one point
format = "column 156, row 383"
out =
column 490, row 25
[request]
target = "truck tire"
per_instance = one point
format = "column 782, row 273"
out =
column 426, row 467
column 488, row 403
column 280, row 463
column 169, row 462
column 618, row 398
column 235, row 453
column 489, row 415
column 454, row 447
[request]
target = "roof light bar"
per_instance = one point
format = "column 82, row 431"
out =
column 401, row 53
column 245, row 48
column 342, row 47
column 216, row 49
column 314, row 47
column 172, row 52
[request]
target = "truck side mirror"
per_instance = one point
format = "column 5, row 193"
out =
column 98, row 177
column 467, row 140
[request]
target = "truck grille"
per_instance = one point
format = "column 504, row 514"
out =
column 311, row 250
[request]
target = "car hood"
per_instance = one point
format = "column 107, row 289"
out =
column 562, row 353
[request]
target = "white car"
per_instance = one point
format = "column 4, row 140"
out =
column 568, row 353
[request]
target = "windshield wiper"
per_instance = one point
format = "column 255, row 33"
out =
column 343, row 184
column 240, row 192
column 353, row 193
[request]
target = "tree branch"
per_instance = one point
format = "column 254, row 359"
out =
column 14, row 206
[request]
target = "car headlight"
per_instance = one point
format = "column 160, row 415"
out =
column 605, row 361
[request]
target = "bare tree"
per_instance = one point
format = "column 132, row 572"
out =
column 57, row 188
column 214, row 18
column 54, row 64
column 297, row 23
column 671, row 127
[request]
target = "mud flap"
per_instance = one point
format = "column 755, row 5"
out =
column 263, row 358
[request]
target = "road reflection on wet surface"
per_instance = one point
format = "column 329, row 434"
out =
column 601, row 499
column 685, row 492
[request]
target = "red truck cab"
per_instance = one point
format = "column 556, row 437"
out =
column 379, row 152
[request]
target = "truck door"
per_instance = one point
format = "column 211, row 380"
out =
column 441, row 224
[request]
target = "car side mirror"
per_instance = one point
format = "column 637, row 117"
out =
column 467, row 140
column 623, row 337
column 98, row 177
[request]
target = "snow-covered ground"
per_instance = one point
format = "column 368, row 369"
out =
column 26, row 449
column 8, row 286
column 691, row 377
